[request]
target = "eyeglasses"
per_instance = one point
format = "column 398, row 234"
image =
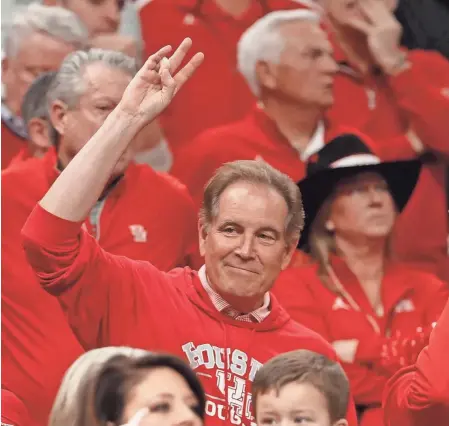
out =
column 137, row 418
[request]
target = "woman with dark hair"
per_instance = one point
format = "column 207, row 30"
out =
column 123, row 386
column 377, row 312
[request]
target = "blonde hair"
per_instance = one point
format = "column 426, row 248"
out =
column 68, row 408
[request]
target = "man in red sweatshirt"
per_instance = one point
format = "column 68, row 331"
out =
column 419, row 395
column 33, row 44
column 141, row 214
column 223, row 320
column 388, row 92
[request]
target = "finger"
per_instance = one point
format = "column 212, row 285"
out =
column 179, row 55
column 167, row 81
column 188, row 70
column 360, row 25
column 153, row 61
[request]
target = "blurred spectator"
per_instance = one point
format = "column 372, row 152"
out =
column 36, row 119
column 369, row 306
column 138, row 216
column 120, row 43
column 37, row 40
column 400, row 99
column 303, row 385
column 419, row 395
column 99, row 16
column 124, row 386
column 14, row 412
column 287, row 62
column 217, row 93
column 425, row 24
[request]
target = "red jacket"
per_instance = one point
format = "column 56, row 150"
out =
column 384, row 108
column 419, row 395
column 14, row 412
column 11, row 145
column 112, row 300
column 139, row 219
column 411, row 299
column 256, row 136
column 217, row 93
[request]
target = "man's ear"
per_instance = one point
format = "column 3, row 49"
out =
column 202, row 235
column 290, row 249
column 38, row 133
column 58, row 116
column 266, row 74
column 341, row 422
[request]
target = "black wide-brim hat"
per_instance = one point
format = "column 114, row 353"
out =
column 343, row 157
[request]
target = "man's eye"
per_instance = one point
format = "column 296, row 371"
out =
column 229, row 230
column 162, row 407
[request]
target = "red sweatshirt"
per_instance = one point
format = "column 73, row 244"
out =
column 37, row 344
column 111, row 300
column 255, row 137
column 217, row 93
column 14, row 412
column 411, row 299
column 419, row 395
column 11, row 145
column 384, row 108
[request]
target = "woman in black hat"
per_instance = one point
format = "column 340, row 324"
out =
column 375, row 311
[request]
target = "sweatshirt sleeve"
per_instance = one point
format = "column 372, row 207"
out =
column 105, row 297
column 419, row 395
column 422, row 93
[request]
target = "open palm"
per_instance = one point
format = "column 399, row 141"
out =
column 157, row 82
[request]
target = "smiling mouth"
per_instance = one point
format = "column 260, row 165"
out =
column 242, row 269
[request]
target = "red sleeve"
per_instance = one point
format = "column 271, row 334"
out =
column 197, row 162
column 422, row 93
column 105, row 297
column 419, row 395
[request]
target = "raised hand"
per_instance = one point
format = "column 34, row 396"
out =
column 157, row 82
column 383, row 33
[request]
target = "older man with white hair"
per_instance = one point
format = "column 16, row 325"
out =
column 37, row 40
column 287, row 61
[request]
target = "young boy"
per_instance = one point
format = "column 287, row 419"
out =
column 300, row 387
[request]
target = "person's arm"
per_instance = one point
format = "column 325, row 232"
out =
column 419, row 395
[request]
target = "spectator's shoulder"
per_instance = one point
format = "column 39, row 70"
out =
column 24, row 175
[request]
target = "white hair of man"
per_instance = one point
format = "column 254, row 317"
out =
column 69, row 83
column 263, row 41
column 56, row 22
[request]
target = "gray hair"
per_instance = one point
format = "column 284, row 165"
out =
column 34, row 104
column 259, row 173
column 264, row 42
column 69, row 83
column 56, row 22
column 67, row 408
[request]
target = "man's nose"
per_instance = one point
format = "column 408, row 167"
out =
column 246, row 247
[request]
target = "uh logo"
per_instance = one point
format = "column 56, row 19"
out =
column 226, row 375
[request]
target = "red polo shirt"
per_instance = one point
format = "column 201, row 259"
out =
column 384, row 108
column 217, row 93
column 410, row 298
column 254, row 137
column 147, row 216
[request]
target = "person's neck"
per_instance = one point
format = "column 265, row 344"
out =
column 244, row 305
column 13, row 107
column 366, row 259
column 296, row 122
column 234, row 8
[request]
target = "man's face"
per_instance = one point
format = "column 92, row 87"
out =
column 343, row 11
column 37, row 53
column 104, row 87
column 306, row 70
column 99, row 16
column 294, row 404
column 245, row 247
column 362, row 208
